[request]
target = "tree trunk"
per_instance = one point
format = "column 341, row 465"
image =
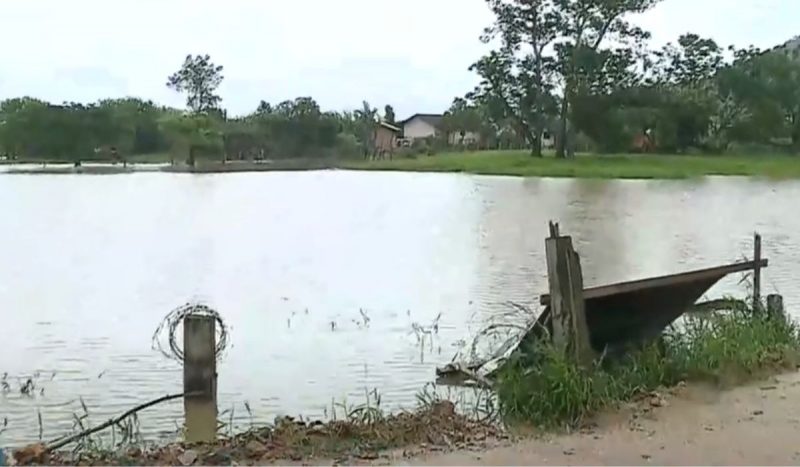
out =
column 536, row 144
column 191, row 159
column 561, row 142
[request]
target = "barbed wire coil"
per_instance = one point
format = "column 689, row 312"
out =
column 169, row 326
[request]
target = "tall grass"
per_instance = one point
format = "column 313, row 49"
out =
column 540, row 386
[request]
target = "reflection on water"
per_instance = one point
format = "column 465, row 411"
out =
column 90, row 265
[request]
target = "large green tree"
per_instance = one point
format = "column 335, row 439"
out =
column 199, row 78
column 545, row 44
column 768, row 84
column 585, row 30
column 517, row 75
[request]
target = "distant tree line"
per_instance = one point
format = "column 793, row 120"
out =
column 575, row 70
column 34, row 129
column 37, row 129
column 579, row 70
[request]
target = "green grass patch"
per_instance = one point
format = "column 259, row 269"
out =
column 539, row 386
column 635, row 166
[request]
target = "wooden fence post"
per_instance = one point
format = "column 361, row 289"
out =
column 757, row 273
column 567, row 307
column 200, row 378
column 775, row 307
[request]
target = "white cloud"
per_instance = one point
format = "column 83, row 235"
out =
column 412, row 54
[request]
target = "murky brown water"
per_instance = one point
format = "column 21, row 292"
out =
column 90, row 264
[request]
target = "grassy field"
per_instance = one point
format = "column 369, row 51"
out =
column 517, row 163
column 520, row 163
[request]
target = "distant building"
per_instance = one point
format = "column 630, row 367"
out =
column 421, row 126
column 463, row 138
column 385, row 138
column 548, row 142
column 791, row 45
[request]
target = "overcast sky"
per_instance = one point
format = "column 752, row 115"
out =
column 413, row 54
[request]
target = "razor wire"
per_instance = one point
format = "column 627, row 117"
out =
column 165, row 335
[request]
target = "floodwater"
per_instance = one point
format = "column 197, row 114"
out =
column 322, row 276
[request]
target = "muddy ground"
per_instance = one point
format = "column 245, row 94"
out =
column 757, row 424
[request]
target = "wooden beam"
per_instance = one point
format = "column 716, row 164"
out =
column 570, row 330
column 665, row 281
column 757, row 273
column 721, row 304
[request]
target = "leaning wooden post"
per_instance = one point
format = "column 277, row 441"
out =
column 200, row 378
column 570, row 330
column 757, row 272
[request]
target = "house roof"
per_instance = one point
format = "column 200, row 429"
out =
column 792, row 44
column 431, row 119
column 389, row 126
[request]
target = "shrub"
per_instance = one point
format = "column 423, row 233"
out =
column 541, row 386
column 407, row 153
column 347, row 145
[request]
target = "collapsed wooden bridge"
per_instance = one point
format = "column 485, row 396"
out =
column 587, row 322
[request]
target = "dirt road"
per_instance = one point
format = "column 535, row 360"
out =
column 753, row 425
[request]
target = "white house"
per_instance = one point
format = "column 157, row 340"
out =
column 419, row 126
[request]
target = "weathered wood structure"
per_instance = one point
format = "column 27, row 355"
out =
column 568, row 326
column 640, row 310
column 614, row 317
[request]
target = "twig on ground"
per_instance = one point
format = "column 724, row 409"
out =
column 54, row 445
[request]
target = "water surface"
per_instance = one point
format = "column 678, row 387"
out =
column 89, row 265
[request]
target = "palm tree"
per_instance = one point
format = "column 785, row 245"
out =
column 367, row 117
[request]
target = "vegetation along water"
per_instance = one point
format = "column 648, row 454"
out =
column 692, row 97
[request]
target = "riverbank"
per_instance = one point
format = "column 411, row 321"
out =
column 755, row 424
column 512, row 163
column 693, row 424
column 363, row 434
column 633, row 166
column 202, row 167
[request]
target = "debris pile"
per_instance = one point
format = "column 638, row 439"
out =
column 436, row 427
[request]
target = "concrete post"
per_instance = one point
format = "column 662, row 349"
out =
column 200, row 378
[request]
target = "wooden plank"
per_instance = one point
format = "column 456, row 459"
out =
column 583, row 347
column 570, row 331
column 757, row 273
column 665, row 281
column 721, row 304
column 200, row 377
column 560, row 330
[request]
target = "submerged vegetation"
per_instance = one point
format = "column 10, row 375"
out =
column 542, row 387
